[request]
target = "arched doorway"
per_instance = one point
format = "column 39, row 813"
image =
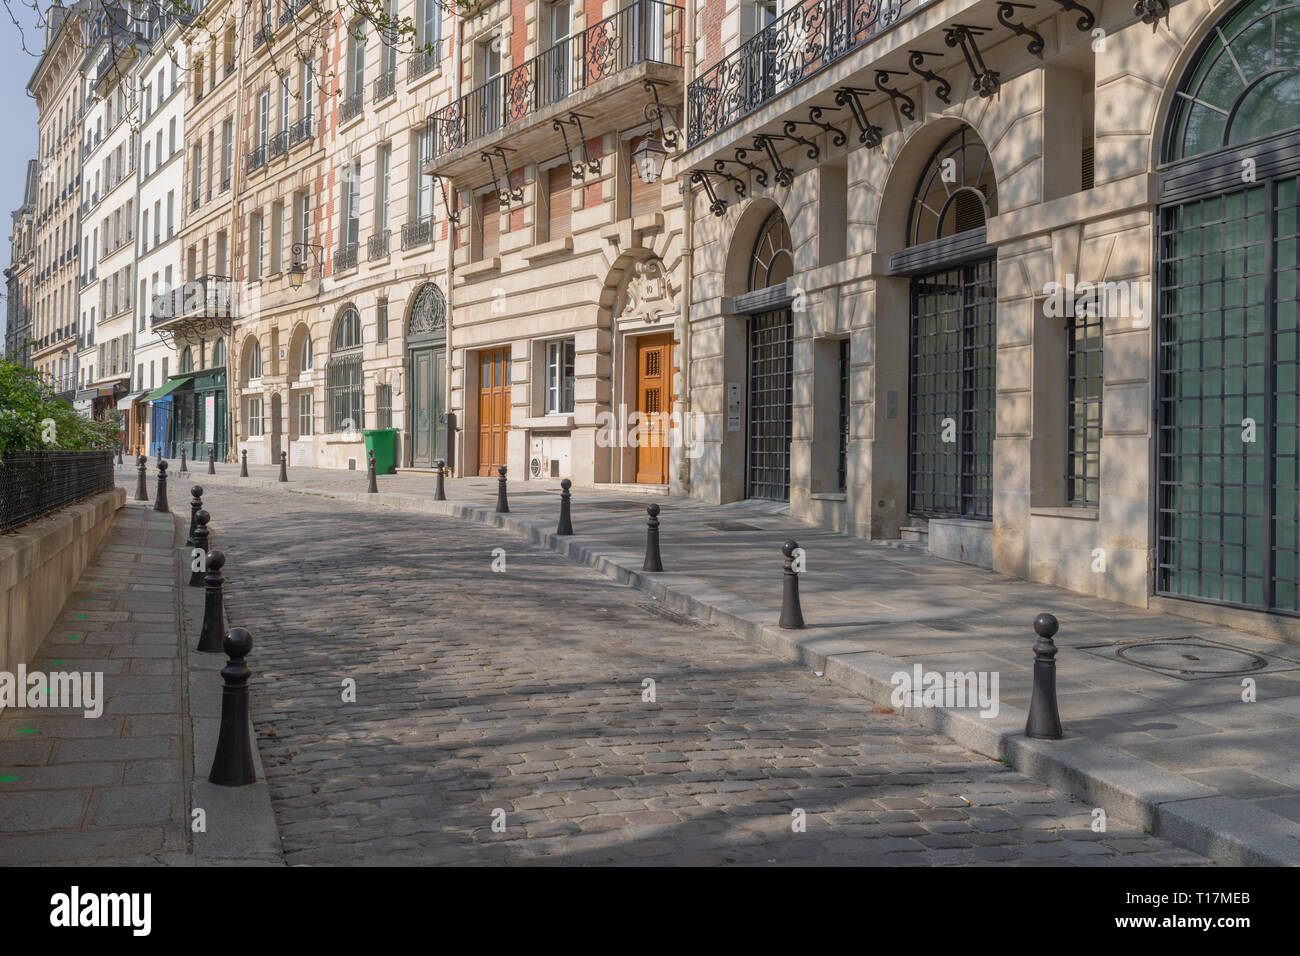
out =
column 769, row 363
column 951, row 346
column 1228, row 471
column 426, row 341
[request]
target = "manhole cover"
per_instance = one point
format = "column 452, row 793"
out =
column 732, row 526
column 677, row 617
column 1190, row 658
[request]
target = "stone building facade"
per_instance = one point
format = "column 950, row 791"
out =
column 1016, row 284
column 18, row 277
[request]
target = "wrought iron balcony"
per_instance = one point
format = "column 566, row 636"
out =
column 259, row 38
column 417, row 233
column 204, row 298
column 352, row 106
column 256, row 158
column 345, row 258
column 643, row 31
column 803, row 41
column 377, row 246
column 279, row 144
column 300, row 131
column 423, row 61
column 386, row 84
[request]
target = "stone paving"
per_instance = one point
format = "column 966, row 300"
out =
column 78, row 790
column 520, row 692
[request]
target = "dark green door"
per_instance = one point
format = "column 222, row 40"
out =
column 428, row 412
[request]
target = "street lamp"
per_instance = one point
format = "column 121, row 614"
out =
column 649, row 158
column 298, row 271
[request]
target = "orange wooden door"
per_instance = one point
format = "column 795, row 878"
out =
column 654, row 400
column 493, row 409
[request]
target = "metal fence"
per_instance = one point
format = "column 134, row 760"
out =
column 35, row 483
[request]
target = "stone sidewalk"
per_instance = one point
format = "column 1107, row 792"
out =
column 120, row 789
column 1155, row 722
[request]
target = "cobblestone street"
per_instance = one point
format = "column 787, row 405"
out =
column 522, row 691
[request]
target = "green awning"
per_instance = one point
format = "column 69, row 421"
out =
column 169, row 387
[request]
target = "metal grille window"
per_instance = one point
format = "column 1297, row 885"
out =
column 559, row 377
column 771, row 382
column 346, row 394
column 842, row 469
column 1083, row 407
column 951, row 407
column 383, row 406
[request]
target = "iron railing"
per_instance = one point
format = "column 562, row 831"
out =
column 256, row 158
column 423, row 61
column 35, row 483
column 345, row 258
column 417, row 233
column 803, row 41
column 644, row 31
column 207, row 296
column 352, row 106
column 377, row 245
column 300, row 131
column 386, row 84
column 279, row 143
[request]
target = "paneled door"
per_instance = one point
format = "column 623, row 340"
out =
column 428, row 416
column 654, row 401
column 493, row 409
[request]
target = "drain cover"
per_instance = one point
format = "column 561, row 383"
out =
column 1190, row 658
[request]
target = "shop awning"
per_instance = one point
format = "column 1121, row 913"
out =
column 168, row 387
column 126, row 401
column 100, row 391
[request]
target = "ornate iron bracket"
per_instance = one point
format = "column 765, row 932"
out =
column 453, row 216
column 870, row 134
column 738, row 184
column 1087, row 19
column 760, row 174
column 784, row 174
column 914, row 60
column 506, row 195
column 908, row 108
column 1006, row 10
column 655, row 111
column 716, row 206
column 1152, row 12
column 579, row 170
column 985, row 82
column 815, row 119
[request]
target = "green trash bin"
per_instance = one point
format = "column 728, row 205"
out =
column 383, row 442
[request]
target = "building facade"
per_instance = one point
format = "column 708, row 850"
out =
column 18, row 277
column 56, row 85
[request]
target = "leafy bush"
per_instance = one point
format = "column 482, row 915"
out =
column 32, row 419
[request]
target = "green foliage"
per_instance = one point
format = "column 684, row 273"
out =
column 32, row 419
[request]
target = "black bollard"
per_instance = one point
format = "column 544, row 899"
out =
column 214, row 621
column 212, row 461
column 373, row 487
column 652, row 560
column 791, row 612
column 503, row 505
column 200, row 537
column 243, row 463
column 284, row 463
column 566, row 525
column 1044, row 720
column 232, row 766
column 182, row 471
column 439, row 492
column 141, row 480
column 119, row 456
column 160, row 499
column 196, row 502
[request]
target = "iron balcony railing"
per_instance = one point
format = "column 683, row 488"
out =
column 377, row 245
column 256, row 158
column 209, row 296
column 417, row 233
column 423, row 61
column 644, row 31
column 345, row 258
column 385, row 84
column 804, row 40
column 352, row 106
column 300, row 131
column 279, row 143
column 259, row 38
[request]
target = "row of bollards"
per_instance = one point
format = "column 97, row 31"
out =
column 232, row 763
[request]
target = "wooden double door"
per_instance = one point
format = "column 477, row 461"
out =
column 493, row 409
column 654, row 401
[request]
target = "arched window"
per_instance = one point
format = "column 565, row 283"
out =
column 344, row 378
column 956, row 193
column 772, row 262
column 187, row 360
column 304, row 354
column 429, row 313
column 1244, row 83
column 255, row 360
column 219, row 354
column 347, row 331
